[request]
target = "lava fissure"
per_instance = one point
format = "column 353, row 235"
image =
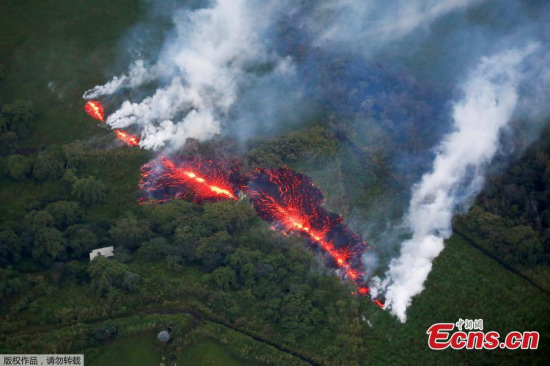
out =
column 94, row 110
column 287, row 200
column 191, row 179
column 291, row 203
column 129, row 139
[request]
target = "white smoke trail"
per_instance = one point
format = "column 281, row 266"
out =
column 138, row 75
column 374, row 23
column 490, row 98
column 206, row 63
column 216, row 53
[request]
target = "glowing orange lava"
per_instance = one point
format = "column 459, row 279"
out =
column 190, row 179
column 379, row 303
column 94, row 109
column 291, row 203
column 292, row 222
column 181, row 174
column 131, row 140
column 287, row 200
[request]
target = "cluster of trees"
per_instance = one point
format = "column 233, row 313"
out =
column 16, row 122
column 257, row 278
column 249, row 276
column 55, row 163
column 513, row 244
column 512, row 215
column 311, row 143
column 55, row 233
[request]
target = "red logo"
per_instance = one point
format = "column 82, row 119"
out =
column 440, row 337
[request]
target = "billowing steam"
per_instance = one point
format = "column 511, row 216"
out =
column 490, row 98
column 352, row 22
column 236, row 66
column 222, row 55
column 213, row 53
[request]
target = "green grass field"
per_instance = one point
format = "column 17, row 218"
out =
column 136, row 351
column 207, row 353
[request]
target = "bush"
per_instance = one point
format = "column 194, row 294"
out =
column 130, row 232
column 8, row 141
column 105, row 331
column 19, row 117
column 18, row 166
column 49, row 165
column 89, row 191
column 64, row 213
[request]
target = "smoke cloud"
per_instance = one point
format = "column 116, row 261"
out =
column 353, row 23
column 212, row 53
column 220, row 63
column 490, row 98
column 242, row 67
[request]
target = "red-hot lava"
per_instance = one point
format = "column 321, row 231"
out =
column 131, row 140
column 190, row 179
column 291, row 203
column 95, row 110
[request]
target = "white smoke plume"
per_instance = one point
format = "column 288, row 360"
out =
column 490, row 98
column 376, row 22
column 204, row 64
column 137, row 75
column 218, row 53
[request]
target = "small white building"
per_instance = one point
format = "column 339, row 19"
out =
column 105, row 252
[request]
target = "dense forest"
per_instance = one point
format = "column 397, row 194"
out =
column 216, row 271
column 216, row 259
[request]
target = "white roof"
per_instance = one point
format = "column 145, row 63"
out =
column 105, row 252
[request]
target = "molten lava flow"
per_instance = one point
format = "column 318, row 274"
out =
column 124, row 136
column 291, row 203
column 95, row 110
column 187, row 178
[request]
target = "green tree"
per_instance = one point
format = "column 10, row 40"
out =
column 48, row 246
column 3, row 123
column 10, row 283
column 37, row 220
column 77, row 270
column 166, row 218
column 105, row 331
column 18, row 166
column 212, row 251
column 525, row 245
column 8, row 141
column 49, row 164
column 106, row 275
column 10, row 247
column 154, row 249
column 80, row 240
column 19, row 117
column 130, row 232
column 73, row 154
column 228, row 216
column 89, row 191
column 64, row 213
column 247, row 274
column 224, row 277
column 130, row 281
